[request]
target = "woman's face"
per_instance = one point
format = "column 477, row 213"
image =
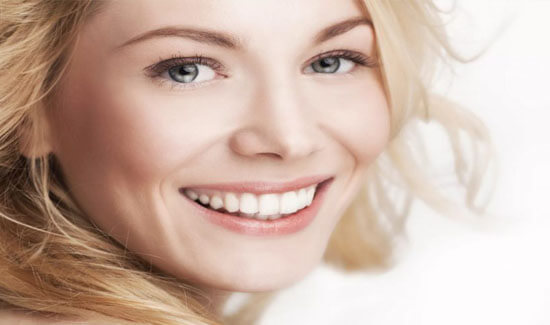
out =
column 139, row 120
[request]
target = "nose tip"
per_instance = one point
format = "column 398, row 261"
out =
column 282, row 144
column 278, row 120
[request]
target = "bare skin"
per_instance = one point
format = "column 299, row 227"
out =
column 127, row 138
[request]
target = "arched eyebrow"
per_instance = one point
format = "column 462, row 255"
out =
column 340, row 28
column 233, row 42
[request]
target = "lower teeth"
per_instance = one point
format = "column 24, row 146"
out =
column 256, row 216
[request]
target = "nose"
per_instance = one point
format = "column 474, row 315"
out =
column 279, row 125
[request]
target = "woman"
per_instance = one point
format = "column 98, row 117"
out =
column 157, row 156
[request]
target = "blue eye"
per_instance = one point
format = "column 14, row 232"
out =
column 339, row 61
column 192, row 72
column 185, row 71
column 332, row 64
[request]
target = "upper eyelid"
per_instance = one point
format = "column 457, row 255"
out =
column 320, row 56
column 154, row 68
column 341, row 53
column 193, row 59
column 162, row 65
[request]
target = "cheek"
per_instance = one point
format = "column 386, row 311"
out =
column 360, row 122
column 122, row 129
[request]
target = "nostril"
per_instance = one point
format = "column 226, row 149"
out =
column 270, row 155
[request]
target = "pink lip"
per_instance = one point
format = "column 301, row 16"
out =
column 282, row 226
column 263, row 187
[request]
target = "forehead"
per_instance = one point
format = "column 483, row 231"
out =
column 250, row 20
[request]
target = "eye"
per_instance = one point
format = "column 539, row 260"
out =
column 193, row 72
column 332, row 64
column 185, row 71
column 339, row 61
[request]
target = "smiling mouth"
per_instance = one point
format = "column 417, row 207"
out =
column 265, row 206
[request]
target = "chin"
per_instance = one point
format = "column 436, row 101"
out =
column 263, row 279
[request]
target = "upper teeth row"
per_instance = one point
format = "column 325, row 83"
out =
column 262, row 206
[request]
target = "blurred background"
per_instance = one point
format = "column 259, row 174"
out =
column 494, row 270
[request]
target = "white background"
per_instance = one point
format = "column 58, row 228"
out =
column 495, row 271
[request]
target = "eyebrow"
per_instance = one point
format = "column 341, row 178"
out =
column 230, row 41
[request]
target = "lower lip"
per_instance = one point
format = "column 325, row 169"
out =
column 282, row 226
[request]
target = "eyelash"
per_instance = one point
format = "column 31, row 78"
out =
column 156, row 70
column 355, row 57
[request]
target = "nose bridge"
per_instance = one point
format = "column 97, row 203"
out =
column 280, row 123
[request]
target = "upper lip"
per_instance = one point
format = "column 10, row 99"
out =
column 260, row 187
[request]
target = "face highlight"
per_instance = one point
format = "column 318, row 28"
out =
column 176, row 107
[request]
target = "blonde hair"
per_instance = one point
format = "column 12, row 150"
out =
column 53, row 260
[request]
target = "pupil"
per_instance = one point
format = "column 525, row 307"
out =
column 327, row 62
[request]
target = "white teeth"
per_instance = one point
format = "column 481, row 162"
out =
column 249, row 203
column 310, row 194
column 191, row 194
column 216, row 202
column 263, row 207
column 247, row 215
column 302, row 198
column 231, row 202
column 274, row 216
column 261, row 216
column 204, row 199
column 289, row 202
column 268, row 204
